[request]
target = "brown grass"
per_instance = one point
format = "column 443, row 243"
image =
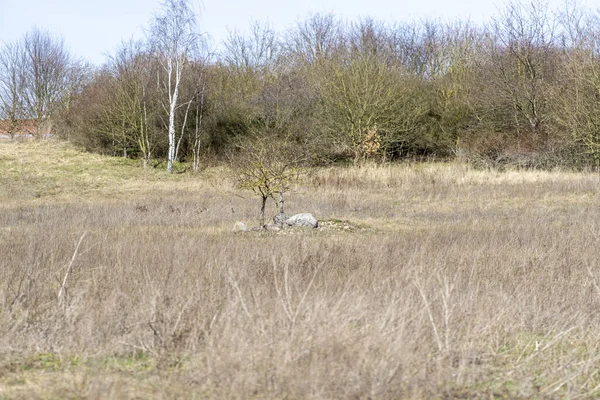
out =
column 455, row 283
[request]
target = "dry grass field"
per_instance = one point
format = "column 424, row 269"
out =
column 426, row 281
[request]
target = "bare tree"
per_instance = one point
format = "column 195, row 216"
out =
column 314, row 39
column 368, row 37
column 50, row 74
column 38, row 77
column 403, row 41
column 12, row 85
column 521, row 47
column 174, row 36
column 197, row 104
column 456, row 55
column 133, row 98
column 577, row 105
column 259, row 50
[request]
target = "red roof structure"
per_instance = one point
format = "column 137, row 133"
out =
column 22, row 128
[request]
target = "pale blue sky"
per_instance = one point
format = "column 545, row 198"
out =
column 93, row 28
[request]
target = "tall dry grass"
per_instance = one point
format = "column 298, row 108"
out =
column 455, row 284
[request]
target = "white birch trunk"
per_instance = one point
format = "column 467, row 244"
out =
column 172, row 108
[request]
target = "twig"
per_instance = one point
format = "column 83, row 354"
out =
column 430, row 315
column 239, row 294
column 64, row 282
column 288, row 311
column 593, row 279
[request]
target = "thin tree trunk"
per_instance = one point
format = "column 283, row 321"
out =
column 145, row 140
column 262, row 211
column 280, row 202
column 171, row 135
column 187, row 110
column 172, row 108
column 197, row 141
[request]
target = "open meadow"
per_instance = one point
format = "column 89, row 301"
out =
column 424, row 281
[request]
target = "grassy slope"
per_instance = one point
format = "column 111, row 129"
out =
column 448, row 282
column 56, row 171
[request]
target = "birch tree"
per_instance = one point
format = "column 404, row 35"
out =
column 174, row 36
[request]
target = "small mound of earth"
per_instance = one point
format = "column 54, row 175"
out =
column 339, row 225
column 328, row 225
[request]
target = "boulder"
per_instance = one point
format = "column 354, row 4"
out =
column 280, row 218
column 240, row 227
column 304, row 219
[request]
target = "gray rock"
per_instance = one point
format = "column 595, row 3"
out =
column 304, row 219
column 272, row 227
column 240, row 227
column 280, row 218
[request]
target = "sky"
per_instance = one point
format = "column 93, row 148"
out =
column 92, row 29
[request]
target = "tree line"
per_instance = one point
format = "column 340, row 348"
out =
column 522, row 89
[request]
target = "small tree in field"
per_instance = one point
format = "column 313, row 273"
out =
column 267, row 166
